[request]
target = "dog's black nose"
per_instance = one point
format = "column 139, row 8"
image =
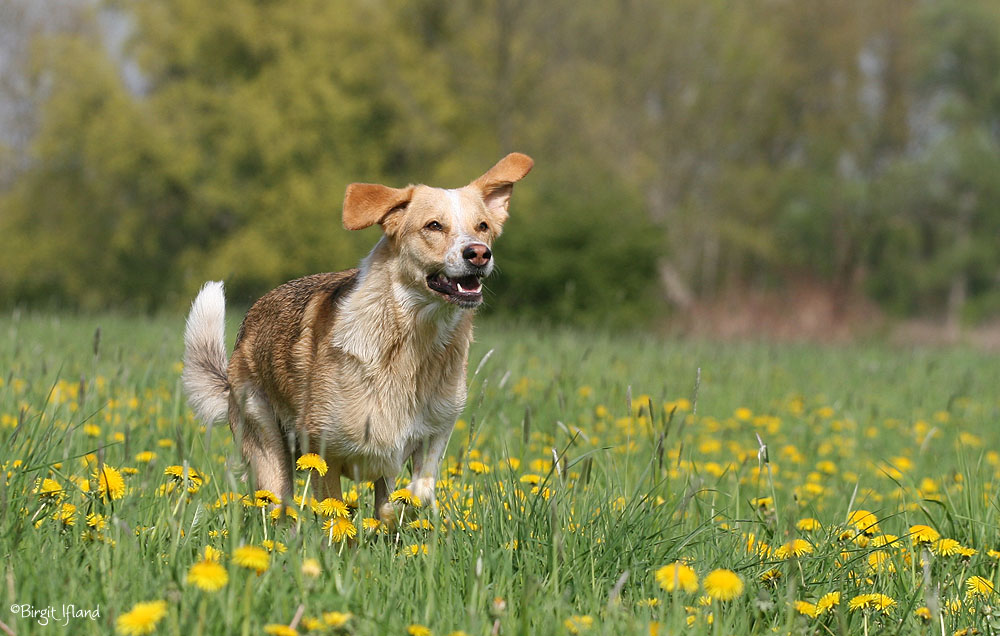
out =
column 477, row 254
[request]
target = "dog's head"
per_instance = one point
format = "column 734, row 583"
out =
column 441, row 239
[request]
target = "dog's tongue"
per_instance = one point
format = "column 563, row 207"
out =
column 468, row 284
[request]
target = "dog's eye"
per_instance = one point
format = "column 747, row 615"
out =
column 434, row 225
column 483, row 227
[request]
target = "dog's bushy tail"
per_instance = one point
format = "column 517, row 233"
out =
column 204, row 376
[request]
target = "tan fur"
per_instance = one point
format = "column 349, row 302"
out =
column 365, row 367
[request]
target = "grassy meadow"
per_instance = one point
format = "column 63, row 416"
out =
column 596, row 484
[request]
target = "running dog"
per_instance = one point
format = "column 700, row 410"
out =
column 366, row 367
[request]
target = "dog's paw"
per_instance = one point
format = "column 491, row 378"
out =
column 424, row 490
column 390, row 513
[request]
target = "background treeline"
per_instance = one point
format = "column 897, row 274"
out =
column 684, row 148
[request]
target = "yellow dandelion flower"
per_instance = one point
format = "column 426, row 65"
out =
column 277, row 629
column 370, row 523
column 407, row 497
column 178, row 473
column 967, row 552
column 207, row 575
column 311, row 568
column 479, row 467
column 311, row 624
column 756, row 547
column 880, row 602
column 576, row 624
column 340, row 528
column 946, row 547
column 416, row 549
column 49, row 489
column 864, row 521
column 531, row 478
column 274, row 546
column 677, row 576
column 978, row 586
column 923, row 534
column 880, row 560
column 417, row 629
column 145, row 457
column 263, row 498
column 883, row 540
column 762, row 502
column 141, row 619
column 351, row 499
column 993, row 553
column 97, row 521
column 722, row 584
column 794, row 548
column 312, row 461
column 337, row 620
column 331, row 507
column 284, row 511
column 806, row 608
column 808, row 524
column 861, row 601
column 923, row 612
column 66, row 514
column 110, row 484
column 827, row 602
column 770, row 576
column 827, row 467
column 188, row 477
column 252, row 558
column 213, row 554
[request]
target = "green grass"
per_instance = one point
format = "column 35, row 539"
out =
column 640, row 481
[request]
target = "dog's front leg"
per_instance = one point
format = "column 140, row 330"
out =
column 329, row 484
column 426, row 463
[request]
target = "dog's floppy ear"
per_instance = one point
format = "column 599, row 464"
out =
column 366, row 204
column 498, row 182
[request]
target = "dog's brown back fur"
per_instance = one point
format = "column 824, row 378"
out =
column 277, row 341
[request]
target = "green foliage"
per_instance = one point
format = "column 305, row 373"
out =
column 577, row 251
column 849, row 142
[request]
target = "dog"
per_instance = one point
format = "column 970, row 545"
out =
column 366, row 367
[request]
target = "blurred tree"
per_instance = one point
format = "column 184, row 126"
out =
column 96, row 217
column 682, row 148
column 942, row 244
column 676, row 100
column 846, row 96
column 277, row 107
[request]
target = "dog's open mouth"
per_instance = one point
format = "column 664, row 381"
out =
column 466, row 290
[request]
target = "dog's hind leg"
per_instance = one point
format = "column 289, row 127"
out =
column 386, row 512
column 264, row 447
